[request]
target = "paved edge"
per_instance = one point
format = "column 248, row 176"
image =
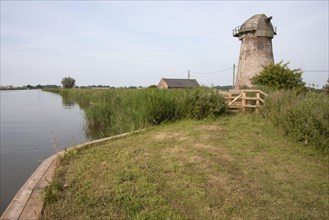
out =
column 28, row 203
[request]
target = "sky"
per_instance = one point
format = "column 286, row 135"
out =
column 136, row 43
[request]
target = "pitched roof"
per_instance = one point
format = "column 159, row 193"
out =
column 181, row 83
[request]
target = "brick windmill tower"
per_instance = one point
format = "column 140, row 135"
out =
column 256, row 47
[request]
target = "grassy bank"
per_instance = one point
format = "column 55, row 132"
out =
column 232, row 167
column 303, row 116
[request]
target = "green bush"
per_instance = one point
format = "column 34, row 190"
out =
column 201, row 103
column 279, row 76
column 303, row 116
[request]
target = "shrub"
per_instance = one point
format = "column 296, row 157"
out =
column 303, row 116
column 201, row 103
column 279, row 76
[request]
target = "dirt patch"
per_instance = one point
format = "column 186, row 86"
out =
column 175, row 150
column 203, row 146
column 220, row 152
column 196, row 159
column 170, row 135
column 209, row 127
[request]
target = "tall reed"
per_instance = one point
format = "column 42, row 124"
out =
column 115, row 111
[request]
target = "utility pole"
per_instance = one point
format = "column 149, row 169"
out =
column 188, row 74
column 233, row 75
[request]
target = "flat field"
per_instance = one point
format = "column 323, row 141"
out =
column 237, row 167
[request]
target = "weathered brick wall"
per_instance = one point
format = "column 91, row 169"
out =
column 162, row 84
column 255, row 52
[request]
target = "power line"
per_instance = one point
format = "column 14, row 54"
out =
column 318, row 71
column 212, row 72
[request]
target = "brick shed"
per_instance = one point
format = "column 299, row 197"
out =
column 177, row 83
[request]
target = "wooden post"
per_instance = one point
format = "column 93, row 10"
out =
column 257, row 102
column 243, row 101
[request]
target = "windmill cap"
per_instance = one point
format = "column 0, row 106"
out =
column 258, row 25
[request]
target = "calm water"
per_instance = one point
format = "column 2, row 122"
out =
column 31, row 122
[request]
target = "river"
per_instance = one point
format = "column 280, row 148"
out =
column 33, row 122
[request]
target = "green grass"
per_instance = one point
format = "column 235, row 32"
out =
column 231, row 168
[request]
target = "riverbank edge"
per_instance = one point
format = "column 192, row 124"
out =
column 28, row 202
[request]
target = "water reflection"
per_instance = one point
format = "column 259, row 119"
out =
column 94, row 133
column 30, row 121
column 68, row 102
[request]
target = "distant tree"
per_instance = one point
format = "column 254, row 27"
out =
column 223, row 87
column 68, row 82
column 279, row 76
column 29, row 87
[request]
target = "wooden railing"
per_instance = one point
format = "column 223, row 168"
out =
column 250, row 27
column 244, row 100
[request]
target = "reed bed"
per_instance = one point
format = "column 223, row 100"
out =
column 114, row 111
